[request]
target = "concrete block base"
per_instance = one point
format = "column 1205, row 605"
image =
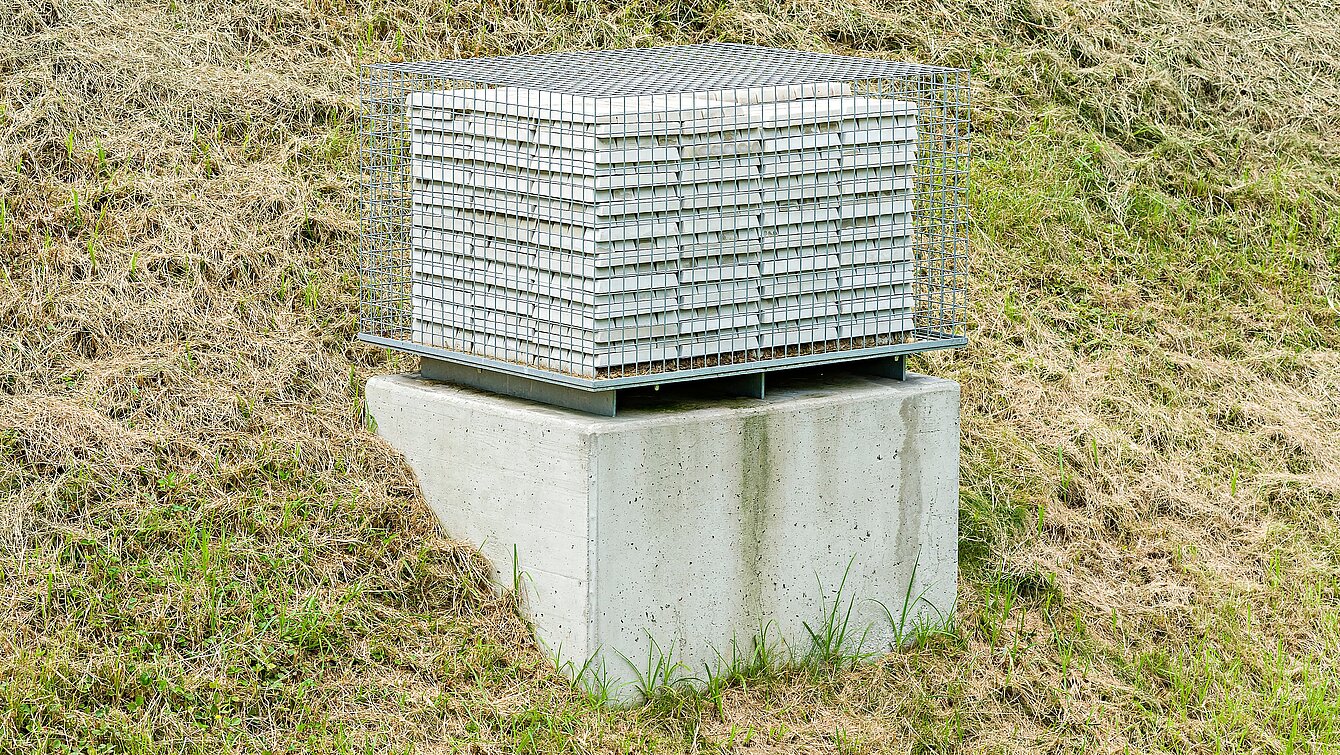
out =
column 681, row 531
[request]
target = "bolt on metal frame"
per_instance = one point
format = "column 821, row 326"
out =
column 600, row 220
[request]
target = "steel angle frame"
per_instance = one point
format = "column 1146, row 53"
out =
column 575, row 392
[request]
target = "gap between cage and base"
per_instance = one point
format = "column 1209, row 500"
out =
column 605, row 403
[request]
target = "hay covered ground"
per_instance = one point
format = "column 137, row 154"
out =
column 202, row 549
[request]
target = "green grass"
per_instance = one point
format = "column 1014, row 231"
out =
column 203, row 549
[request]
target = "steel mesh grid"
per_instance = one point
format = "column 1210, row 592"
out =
column 594, row 217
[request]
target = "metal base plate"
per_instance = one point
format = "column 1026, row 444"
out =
column 602, row 403
column 605, row 403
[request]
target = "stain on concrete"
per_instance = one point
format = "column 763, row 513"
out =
column 911, row 501
column 756, row 482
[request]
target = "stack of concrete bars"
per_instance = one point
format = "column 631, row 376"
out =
column 583, row 234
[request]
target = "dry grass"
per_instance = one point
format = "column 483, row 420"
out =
column 202, row 550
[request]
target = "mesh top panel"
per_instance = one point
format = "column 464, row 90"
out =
column 661, row 70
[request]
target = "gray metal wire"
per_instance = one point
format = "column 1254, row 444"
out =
column 605, row 218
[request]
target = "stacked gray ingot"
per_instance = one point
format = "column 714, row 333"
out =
column 581, row 234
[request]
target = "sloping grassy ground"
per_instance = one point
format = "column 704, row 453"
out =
column 201, row 549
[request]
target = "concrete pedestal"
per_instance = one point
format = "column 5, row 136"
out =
column 676, row 532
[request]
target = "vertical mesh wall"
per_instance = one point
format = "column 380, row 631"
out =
column 606, row 215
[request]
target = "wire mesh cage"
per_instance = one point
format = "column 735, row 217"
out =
column 615, row 218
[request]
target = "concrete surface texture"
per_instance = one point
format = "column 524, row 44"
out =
column 677, row 532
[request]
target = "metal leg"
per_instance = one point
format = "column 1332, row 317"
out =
column 889, row 367
column 603, row 403
column 751, row 386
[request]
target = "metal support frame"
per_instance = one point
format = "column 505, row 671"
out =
column 747, row 386
column 890, row 367
column 603, row 403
